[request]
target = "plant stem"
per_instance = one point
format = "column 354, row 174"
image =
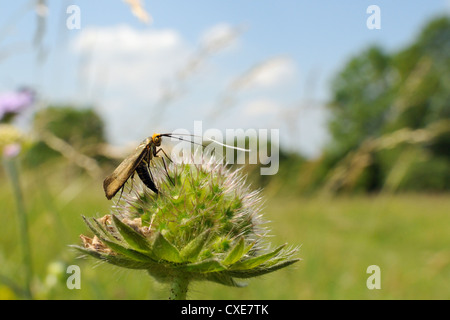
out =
column 178, row 288
column 13, row 173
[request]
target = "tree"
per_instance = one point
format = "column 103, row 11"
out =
column 80, row 129
column 379, row 95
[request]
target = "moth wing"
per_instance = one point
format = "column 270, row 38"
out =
column 122, row 173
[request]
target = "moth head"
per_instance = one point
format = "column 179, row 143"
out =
column 157, row 139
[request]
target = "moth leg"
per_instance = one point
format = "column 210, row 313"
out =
column 161, row 149
column 132, row 180
column 167, row 172
column 123, row 186
column 164, row 162
column 121, row 192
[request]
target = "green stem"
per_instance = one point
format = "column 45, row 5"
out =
column 179, row 288
column 13, row 173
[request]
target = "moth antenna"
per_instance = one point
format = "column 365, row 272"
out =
column 212, row 140
column 181, row 139
column 228, row 146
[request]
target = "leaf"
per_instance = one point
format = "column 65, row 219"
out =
column 129, row 253
column 113, row 244
column 256, row 261
column 117, row 260
column 255, row 272
column 191, row 251
column 225, row 279
column 134, row 239
column 104, row 231
column 163, row 249
column 96, row 231
column 209, row 265
column 235, row 253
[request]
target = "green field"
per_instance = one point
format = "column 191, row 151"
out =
column 407, row 236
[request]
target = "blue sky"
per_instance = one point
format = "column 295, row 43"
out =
column 273, row 73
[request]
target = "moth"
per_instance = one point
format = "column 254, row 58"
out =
column 139, row 162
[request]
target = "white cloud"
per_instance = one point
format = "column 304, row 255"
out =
column 128, row 67
column 135, row 61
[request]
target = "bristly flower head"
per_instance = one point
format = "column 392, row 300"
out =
column 205, row 224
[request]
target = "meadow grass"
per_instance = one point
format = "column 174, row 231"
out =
column 407, row 236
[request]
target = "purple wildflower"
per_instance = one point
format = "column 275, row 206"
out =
column 12, row 103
